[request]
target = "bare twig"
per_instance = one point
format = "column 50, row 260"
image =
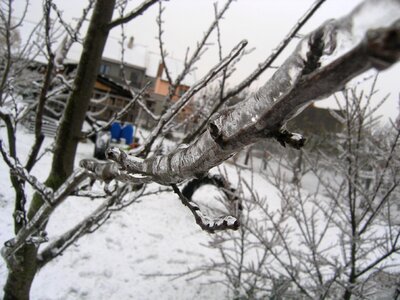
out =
column 133, row 14
column 174, row 109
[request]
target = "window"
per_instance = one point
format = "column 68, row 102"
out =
column 135, row 79
column 149, row 104
column 104, row 69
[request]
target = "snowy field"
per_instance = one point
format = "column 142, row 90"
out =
column 156, row 235
column 125, row 257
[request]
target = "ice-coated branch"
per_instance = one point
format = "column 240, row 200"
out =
column 55, row 60
column 22, row 173
column 39, row 136
column 122, row 198
column 206, row 223
column 95, row 114
column 107, row 171
column 133, row 14
column 138, row 100
column 100, row 100
column 296, row 83
column 96, row 218
column 148, row 111
column 41, row 217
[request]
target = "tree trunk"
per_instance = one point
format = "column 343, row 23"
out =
column 20, row 277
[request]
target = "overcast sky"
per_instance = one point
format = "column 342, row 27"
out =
column 262, row 22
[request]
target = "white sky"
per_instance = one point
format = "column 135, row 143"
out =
column 262, row 22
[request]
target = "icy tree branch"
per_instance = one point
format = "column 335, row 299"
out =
column 22, row 173
column 73, row 33
column 123, row 197
column 41, row 217
column 296, row 83
column 206, row 223
column 109, row 170
column 95, row 219
column 200, row 45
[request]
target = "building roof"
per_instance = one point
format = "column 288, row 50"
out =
column 137, row 56
column 316, row 120
column 115, row 87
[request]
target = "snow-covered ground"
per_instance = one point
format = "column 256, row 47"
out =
column 124, row 258
column 156, row 235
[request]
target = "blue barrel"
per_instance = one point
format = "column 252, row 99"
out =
column 127, row 134
column 116, row 131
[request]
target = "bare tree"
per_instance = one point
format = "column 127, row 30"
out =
column 23, row 259
column 334, row 237
column 315, row 70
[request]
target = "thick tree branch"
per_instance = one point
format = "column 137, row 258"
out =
column 41, row 217
column 107, row 171
column 295, row 84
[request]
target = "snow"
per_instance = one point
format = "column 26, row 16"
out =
column 119, row 261
column 158, row 235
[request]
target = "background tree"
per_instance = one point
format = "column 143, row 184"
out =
column 334, row 231
column 24, row 268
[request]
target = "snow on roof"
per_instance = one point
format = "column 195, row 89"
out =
column 136, row 56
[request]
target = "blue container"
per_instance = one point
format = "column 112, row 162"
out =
column 116, row 131
column 127, row 134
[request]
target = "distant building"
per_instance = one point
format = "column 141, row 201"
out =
column 140, row 66
column 315, row 121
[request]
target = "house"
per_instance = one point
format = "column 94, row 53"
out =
column 316, row 121
column 140, row 66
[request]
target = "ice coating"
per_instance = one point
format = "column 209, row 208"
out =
column 301, row 79
column 351, row 30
